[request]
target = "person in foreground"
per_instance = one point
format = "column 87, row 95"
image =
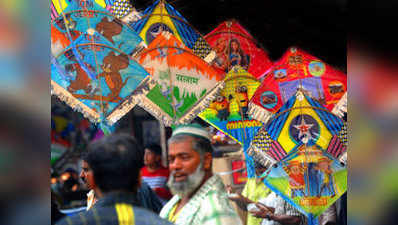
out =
column 253, row 191
column 199, row 196
column 115, row 162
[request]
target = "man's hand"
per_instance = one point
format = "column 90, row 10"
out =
column 262, row 212
column 232, row 195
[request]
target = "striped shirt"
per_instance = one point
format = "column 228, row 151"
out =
column 157, row 181
column 209, row 206
column 115, row 209
column 282, row 207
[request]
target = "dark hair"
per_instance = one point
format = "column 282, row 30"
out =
column 116, row 161
column 154, row 148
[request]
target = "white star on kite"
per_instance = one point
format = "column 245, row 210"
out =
column 304, row 129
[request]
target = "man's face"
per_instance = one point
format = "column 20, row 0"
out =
column 150, row 158
column 183, row 159
column 186, row 171
column 87, row 175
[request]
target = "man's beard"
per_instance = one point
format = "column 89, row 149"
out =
column 186, row 187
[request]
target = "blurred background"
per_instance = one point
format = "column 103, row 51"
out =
column 25, row 110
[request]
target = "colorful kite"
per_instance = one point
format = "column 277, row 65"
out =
column 233, row 45
column 309, row 179
column 94, row 74
column 186, row 84
column 297, row 69
column 304, row 142
column 228, row 112
column 58, row 6
column 93, row 20
column 301, row 120
column 161, row 16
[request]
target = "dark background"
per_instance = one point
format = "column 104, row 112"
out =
column 316, row 26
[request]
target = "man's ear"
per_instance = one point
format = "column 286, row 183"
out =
column 208, row 158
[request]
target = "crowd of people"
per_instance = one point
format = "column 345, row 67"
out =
column 126, row 184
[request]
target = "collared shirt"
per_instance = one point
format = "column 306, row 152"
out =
column 115, row 209
column 254, row 191
column 209, row 206
column 282, row 207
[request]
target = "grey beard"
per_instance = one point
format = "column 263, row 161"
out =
column 186, row 187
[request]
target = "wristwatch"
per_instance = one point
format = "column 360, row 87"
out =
column 267, row 216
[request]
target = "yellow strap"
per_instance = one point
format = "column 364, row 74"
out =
column 172, row 216
column 125, row 214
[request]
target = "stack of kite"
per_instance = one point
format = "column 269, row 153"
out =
column 92, row 67
column 236, row 53
column 301, row 101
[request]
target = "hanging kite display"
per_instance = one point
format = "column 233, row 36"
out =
column 294, row 70
column 233, row 45
column 161, row 16
column 304, row 142
column 186, row 84
column 94, row 74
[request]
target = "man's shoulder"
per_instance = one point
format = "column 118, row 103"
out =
column 216, row 201
column 146, row 217
column 77, row 219
column 216, row 207
column 108, row 215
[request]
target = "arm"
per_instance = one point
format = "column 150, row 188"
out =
column 285, row 219
column 282, row 219
column 240, row 200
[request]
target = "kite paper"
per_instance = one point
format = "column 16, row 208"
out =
column 186, row 84
column 309, row 179
column 228, row 112
column 161, row 16
column 304, row 142
column 297, row 69
column 301, row 120
column 57, row 6
column 106, row 96
column 233, row 45
column 92, row 19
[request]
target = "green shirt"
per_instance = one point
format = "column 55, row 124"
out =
column 254, row 191
column 209, row 206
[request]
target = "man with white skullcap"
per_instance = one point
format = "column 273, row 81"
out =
column 199, row 196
